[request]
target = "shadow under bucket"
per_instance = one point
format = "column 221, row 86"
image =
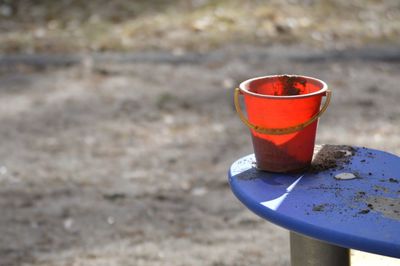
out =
column 283, row 113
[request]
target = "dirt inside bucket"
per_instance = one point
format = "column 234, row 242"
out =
column 292, row 85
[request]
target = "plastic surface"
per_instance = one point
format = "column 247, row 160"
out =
column 281, row 102
column 361, row 213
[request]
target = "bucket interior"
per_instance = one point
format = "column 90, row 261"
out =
column 284, row 85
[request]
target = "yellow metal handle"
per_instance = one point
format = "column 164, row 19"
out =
column 279, row 131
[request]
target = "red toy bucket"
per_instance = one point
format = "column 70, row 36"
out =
column 283, row 113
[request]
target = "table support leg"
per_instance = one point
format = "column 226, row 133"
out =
column 305, row 251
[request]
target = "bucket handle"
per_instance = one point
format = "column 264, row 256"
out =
column 279, row 131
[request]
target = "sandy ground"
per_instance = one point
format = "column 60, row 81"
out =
column 124, row 162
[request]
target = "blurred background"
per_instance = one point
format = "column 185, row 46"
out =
column 117, row 126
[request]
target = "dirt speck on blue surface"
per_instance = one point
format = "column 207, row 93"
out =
column 381, row 188
column 319, row 207
column 359, row 196
column 365, row 211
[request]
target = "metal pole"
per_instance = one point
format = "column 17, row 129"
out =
column 305, row 251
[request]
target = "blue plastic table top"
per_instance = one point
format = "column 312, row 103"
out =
column 361, row 213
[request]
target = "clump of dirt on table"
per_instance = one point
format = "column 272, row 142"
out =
column 319, row 208
column 290, row 85
column 330, row 156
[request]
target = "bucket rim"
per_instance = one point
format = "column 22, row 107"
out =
column 243, row 86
